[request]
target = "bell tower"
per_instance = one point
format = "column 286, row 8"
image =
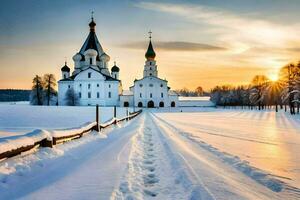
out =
column 150, row 68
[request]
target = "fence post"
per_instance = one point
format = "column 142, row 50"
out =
column 115, row 114
column 97, row 118
column 127, row 114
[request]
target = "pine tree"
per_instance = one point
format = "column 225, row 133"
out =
column 37, row 91
column 50, row 83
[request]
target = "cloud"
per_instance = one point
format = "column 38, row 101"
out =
column 236, row 30
column 174, row 46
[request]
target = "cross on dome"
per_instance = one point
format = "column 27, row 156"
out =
column 150, row 34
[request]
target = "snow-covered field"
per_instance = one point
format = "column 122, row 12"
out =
column 267, row 140
column 167, row 153
column 21, row 118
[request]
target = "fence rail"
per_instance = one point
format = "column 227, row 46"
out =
column 46, row 139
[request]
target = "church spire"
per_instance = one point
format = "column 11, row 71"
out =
column 92, row 24
column 150, row 54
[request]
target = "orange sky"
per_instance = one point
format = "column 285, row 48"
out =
column 205, row 46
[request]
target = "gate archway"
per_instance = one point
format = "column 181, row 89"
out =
column 150, row 104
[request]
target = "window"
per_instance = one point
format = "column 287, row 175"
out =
column 150, row 85
column 109, row 94
column 150, row 74
column 89, row 75
column 150, row 64
column 97, row 85
column 162, row 95
column 161, row 85
column 89, row 95
column 150, row 95
column 89, row 86
column 109, row 85
column 140, row 95
column 69, row 86
column 91, row 61
column 65, row 76
column 141, row 85
column 80, row 85
column 150, row 68
column 79, row 94
column 98, row 95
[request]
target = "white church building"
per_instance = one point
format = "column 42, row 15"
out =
column 92, row 82
column 149, row 91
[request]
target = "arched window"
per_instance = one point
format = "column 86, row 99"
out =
column 150, row 95
column 172, row 104
column 98, row 95
column 126, row 104
column 91, row 61
column 162, row 95
column 140, row 104
column 140, row 95
column 65, row 76
column 109, row 94
column 161, row 104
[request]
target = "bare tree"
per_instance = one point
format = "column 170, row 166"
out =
column 199, row 91
column 71, row 97
column 37, row 91
column 49, row 84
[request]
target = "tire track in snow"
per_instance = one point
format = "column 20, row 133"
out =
column 263, row 178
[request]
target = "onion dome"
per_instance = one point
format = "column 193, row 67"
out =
column 115, row 68
column 65, row 68
column 105, row 57
column 77, row 57
column 92, row 25
column 90, row 53
column 150, row 54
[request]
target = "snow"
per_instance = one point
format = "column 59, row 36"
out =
column 204, row 98
column 14, row 142
column 21, row 119
column 249, row 140
column 179, row 153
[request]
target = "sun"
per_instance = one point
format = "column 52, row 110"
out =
column 273, row 77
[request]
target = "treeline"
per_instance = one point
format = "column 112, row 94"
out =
column 263, row 93
column 43, row 90
column 192, row 93
column 14, row 95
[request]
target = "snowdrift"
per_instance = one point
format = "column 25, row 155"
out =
column 12, row 146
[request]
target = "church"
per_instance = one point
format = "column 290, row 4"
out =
column 92, row 82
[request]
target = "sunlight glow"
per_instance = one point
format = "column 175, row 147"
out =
column 273, row 77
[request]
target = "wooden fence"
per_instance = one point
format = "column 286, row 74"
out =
column 54, row 140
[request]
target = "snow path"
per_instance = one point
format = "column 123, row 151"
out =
column 153, row 170
column 87, row 171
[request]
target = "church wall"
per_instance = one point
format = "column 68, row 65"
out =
column 146, row 90
column 63, row 87
column 126, row 98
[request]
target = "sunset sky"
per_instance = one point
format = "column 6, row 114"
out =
column 198, row 43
